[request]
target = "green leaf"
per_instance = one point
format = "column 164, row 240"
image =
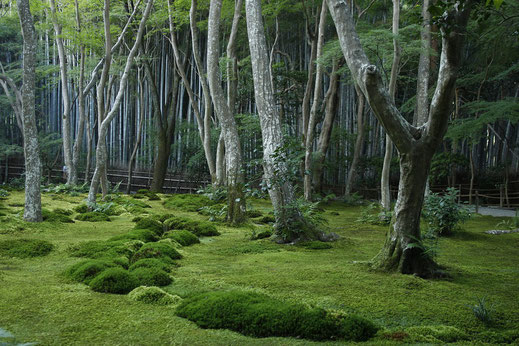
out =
column 497, row 4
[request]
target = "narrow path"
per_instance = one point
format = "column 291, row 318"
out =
column 493, row 211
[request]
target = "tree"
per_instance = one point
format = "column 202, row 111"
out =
column 416, row 145
column 234, row 174
column 32, row 212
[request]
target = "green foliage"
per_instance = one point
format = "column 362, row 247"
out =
column 150, row 224
column 316, row 245
column 483, row 311
column 114, row 280
column 73, row 190
column 151, row 276
column 25, row 248
column 215, row 212
column 442, row 165
column 199, row 228
column 4, row 193
column 267, row 219
column 153, row 295
column 109, row 209
column 87, row 270
column 214, row 192
column 261, row 316
column 93, row 216
column 61, row 211
column 443, row 213
column 101, row 248
column 160, row 251
column 373, row 214
column 261, row 235
column 152, row 196
column 150, row 263
column 183, row 237
column 188, row 202
column 254, row 213
column 428, row 243
column 53, row 216
column 143, row 235
column 434, row 334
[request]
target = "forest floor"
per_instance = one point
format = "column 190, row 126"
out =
column 38, row 305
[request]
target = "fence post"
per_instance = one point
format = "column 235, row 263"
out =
column 477, row 201
column 501, row 195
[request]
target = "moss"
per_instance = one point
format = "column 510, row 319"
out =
column 199, row 228
column 316, row 245
column 499, row 337
column 135, row 210
column 25, row 248
column 66, row 212
column 137, row 234
column 153, row 295
column 114, row 280
column 254, row 213
column 137, row 218
column 188, row 202
column 128, row 203
column 100, row 249
column 261, row 316
column 150, row 263
column 93, row 216
column 153, row 197
column 267, row 219
column 82, row 208
column 435, row 334
column 86, row 270
column 152, row 276
column 50, row 216
column 150, row 224
column 262, row 235
column 183, row 237
column 156, row 250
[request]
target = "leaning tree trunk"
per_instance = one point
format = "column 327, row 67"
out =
column 32, row 212
column 233, row 160
column 290, row 224
column 416, row 145
column 359, row 142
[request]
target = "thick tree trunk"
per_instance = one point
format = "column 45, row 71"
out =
column 32, row 212
column 290, row 224
column 160, row 166
column 234, row 174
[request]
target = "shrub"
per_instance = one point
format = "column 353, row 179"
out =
column 483, row 311
column 316, row 245
column 150, row 263
column 150, row 224
column 51, row 216
column 183, row 237
column 443, row 213
column 25, row 248
column 153, row 295
column 188, row 202
column 161, row 251
column 137, row 234
column 114, row 280
column 93, row 216
column 374, row 215
column 261, row 316
column 254, row 213
column 199, row 228
column 151, row 276
column 86, row 270
column 100, row 248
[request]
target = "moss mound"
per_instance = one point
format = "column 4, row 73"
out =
column 100, row 249
column 153, row 295
column 254, row 213
column 114, row 280
column 87, row 270
column 161, row 251
column 82, row 208
column 267, row 219
column 61, row 211
column 150, row 224
column 137, row 234
column 199, row 228
column 183, row 237
column 188, row 202
column 434, row 334
column 261, row 235
column 25, row 248
column 151, row 276
column 53, row 216
column 261, row 316
column 316, row 245
column 150, row 263
column 93, row 216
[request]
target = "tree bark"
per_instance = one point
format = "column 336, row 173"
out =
column 234, row 174
column 131, row 163
column 32, row 212
column 415, row 145
column 359, row 142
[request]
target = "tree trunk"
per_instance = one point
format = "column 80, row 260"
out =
column 359, row 142
column 220, row 160
column 32, row 212
column 290, row 224
column 234, row 174
column 131, row 163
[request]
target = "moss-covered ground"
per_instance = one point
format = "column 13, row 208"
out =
column 37, row 304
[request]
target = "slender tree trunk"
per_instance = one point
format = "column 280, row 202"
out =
column 312, row 121
column 234, row 174
column 385, row 183
column 67, row 137
column 32, row 212
column 133, row 156
column 359, row 142
column 220, row 160
column 332, row 101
